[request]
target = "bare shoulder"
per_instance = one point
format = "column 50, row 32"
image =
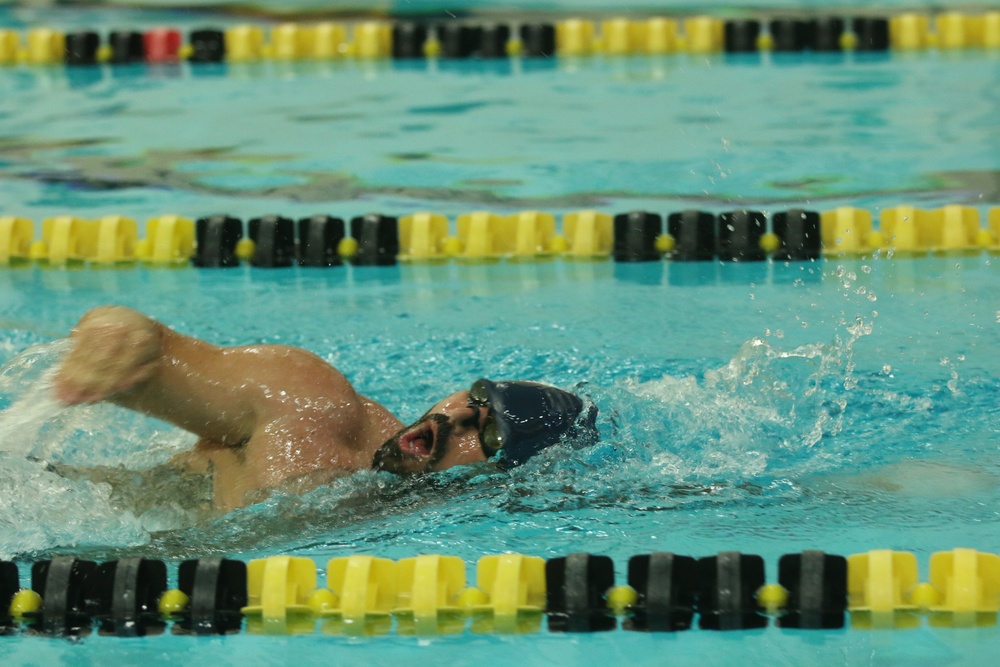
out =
column 227, row 394
column 294, row 383
column 287, row 363
column 285, row 378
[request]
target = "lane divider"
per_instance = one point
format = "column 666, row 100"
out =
column 427, row 595
column 271, row 241
column 467, row 39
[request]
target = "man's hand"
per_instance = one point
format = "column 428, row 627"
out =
column 114, row 350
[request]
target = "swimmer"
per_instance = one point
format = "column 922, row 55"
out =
column 271, row 416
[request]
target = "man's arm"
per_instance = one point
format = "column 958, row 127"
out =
column 221, row 394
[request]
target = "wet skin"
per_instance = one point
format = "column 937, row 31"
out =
column 267, row 416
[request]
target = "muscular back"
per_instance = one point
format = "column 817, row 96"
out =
column 265, row 414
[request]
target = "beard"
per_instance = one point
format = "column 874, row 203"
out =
column 391, row 458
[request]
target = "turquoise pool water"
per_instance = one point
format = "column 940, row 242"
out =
column 842, row 405
column 768, row 409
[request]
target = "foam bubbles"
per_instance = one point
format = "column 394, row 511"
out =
column 26, row 391
column 40, row 510
column 44, row 502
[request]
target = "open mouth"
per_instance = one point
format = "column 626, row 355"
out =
column 420, row 441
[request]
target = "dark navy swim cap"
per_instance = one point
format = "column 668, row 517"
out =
column 527, row 417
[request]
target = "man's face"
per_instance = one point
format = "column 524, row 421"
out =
column 450, row 434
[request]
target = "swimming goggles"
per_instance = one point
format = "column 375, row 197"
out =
column 526, row 417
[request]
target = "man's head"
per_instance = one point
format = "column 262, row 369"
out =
column 515, row 419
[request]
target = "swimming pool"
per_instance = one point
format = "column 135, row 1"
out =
column 842, row 405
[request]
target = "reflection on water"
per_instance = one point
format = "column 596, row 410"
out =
column 666, row 135
column 917, row 478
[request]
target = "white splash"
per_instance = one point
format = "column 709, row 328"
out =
column 765, row 405
column 28, row 379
